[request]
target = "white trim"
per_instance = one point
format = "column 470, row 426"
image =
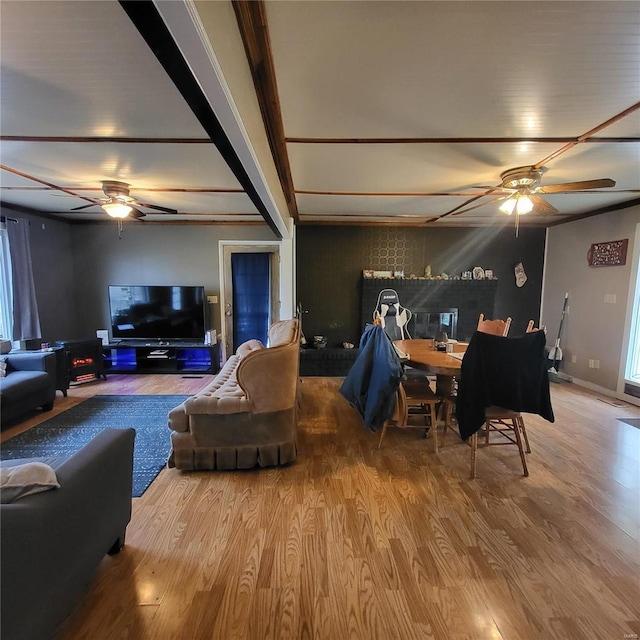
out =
column 544, row 275
column 630, row 321
column 183, row 21
column 285, row 249
column 610, row 393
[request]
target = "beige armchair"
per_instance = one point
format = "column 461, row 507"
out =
column 246, row 417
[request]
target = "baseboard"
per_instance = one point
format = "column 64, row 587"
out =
column 609, row 393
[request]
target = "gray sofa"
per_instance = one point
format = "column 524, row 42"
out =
column 52, row 542
column 29, row 383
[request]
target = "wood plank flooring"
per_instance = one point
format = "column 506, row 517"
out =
column 397, row 543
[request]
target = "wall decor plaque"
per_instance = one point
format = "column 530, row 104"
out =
column 608, row 254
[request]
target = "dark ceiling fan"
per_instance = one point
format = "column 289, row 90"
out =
column 119, row 204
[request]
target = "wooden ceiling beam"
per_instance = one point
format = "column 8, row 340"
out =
column 494, row 140
column 98, row 139
column 252, row 22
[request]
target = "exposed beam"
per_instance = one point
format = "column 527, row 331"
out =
column 150, row 189
column 585, row 137
column 419, row 194
column 252, row 23
column 49, row 185
column 564, row 140
column 93, row 139
column 146, row 18
column 597, row 212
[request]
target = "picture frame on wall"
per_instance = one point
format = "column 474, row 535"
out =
column 608, row 254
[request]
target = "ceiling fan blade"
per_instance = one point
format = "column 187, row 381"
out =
column 156, row 207
column 541, row 206
column 85, row 206
column 577, row 186
column 136, row 214
column 477, row 206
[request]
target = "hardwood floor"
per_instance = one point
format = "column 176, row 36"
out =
column 355, row 542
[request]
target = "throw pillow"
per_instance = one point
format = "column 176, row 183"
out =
column 26, row 479
column 3, row 368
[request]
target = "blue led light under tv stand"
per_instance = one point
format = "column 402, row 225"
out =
column 140, row 356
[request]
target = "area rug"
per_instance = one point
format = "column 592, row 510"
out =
column 634, row 422
column 69, row 431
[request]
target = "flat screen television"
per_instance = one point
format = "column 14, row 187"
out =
column 157, row 312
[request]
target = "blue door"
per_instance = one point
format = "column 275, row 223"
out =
column 251, row 284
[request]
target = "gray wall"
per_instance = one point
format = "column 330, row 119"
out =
column 73, row 265
column 593, row 329
column 147, row 254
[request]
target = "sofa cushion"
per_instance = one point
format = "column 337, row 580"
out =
column 282, row 332
column 248, row 347
column 20, row 480
column 20, row 384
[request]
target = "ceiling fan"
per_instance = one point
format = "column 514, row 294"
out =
column 520, row 191
column 119, row 204
column 523, row 186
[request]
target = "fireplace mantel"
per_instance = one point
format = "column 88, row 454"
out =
column 470, row 297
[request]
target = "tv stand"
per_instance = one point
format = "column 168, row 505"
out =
column 161, row 357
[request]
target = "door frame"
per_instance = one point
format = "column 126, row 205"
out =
column 225, row 249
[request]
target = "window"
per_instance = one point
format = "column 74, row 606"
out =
column 633, row 356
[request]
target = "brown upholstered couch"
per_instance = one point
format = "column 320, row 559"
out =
column 247, row 415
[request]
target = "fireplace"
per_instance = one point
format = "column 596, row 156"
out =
column 82, row 359
column 430, row 323
column 452, row 306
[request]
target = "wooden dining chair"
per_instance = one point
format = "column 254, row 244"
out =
column 531, row 326
column 508, row 426
column 507, row 423
column 523, row 383
column 495, row 327
column 416, row 408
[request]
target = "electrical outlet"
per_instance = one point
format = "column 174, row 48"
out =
column 212, row 299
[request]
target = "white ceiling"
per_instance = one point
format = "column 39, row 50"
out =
column 392, row 111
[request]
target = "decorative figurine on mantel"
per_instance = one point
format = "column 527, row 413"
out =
column 427, row 271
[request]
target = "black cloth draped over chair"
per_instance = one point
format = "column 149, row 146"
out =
column 504, row 372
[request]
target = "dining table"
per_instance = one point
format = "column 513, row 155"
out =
column 422, row 355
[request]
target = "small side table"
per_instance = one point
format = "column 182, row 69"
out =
column 62, row 375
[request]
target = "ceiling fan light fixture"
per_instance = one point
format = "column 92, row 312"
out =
column 520, row 202
column 524, row 204
column 117, row 209
column 508, row 205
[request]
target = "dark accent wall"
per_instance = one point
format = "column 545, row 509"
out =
column 469, row 297
column 330, row 261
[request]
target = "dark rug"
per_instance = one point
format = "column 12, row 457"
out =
column 634, row 422
column 69, row 431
